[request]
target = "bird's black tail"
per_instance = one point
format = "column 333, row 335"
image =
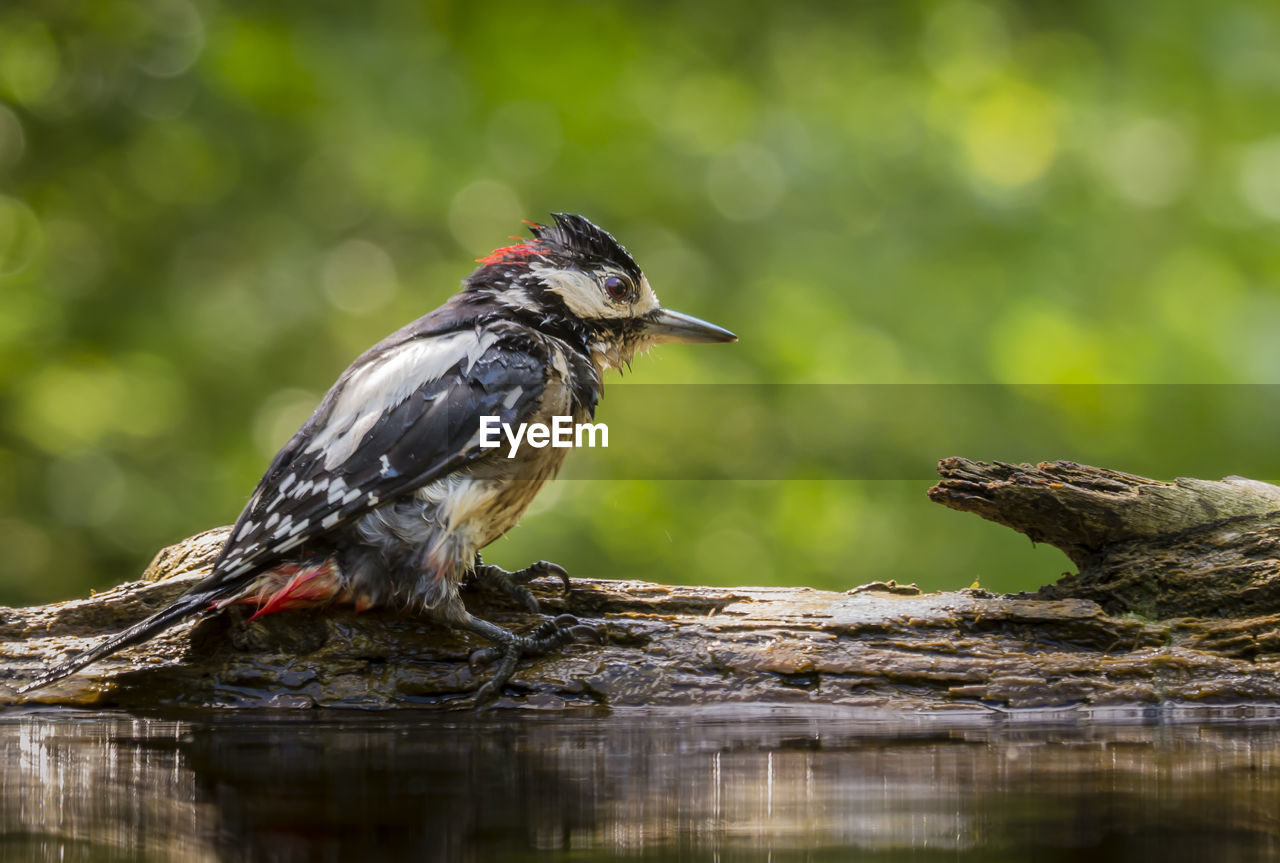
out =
column 185, row 606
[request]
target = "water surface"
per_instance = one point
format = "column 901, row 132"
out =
column 723, row 785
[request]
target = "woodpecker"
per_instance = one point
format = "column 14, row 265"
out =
column 384, row 497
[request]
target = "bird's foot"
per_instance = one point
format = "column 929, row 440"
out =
column 551, row 634
column 512, row 584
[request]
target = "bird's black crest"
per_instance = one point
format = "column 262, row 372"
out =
column 579, row 237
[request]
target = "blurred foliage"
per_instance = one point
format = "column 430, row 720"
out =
column 207, row 209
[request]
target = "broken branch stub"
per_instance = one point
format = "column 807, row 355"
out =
column 1189, row 547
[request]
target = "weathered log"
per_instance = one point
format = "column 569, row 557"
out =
column 1160, row 549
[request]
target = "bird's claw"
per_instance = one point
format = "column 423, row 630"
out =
column 586, row 632
column 541, row 569
column 550, row 634
column 512, row 584
column 483, row 656
column 562, row 621
column 546, row 567
column 570, row 628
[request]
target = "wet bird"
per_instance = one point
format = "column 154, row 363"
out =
column 385, row 497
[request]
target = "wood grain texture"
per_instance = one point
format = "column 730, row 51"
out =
column 1173, row 604
column 1160, row 549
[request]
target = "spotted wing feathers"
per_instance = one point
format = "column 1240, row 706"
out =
column 409, row 416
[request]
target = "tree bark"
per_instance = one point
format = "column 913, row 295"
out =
column 1174, row 603
column 1190, row 547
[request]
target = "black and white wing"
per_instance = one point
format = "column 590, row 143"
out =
column 405, row 413
column 399, row 418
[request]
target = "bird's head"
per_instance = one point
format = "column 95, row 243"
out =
column 575, row 276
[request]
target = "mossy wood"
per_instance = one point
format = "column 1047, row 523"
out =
column 1175, row 601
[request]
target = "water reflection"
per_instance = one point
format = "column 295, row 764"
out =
column 728, row 786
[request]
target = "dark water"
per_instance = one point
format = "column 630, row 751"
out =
column 719, row 786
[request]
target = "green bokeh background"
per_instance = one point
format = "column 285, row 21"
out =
column 208, row 209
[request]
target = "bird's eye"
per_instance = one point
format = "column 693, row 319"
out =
column 616, row 287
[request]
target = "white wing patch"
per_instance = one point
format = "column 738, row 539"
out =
column 337, row 486
column 379, row 387
column 370, row 393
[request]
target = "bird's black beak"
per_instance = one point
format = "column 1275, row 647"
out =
column 669, row 326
